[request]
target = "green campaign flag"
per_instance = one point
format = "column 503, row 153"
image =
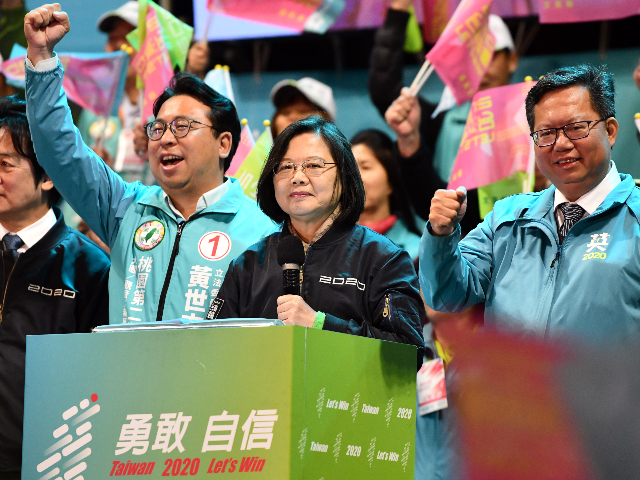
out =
column 519, row 182
column 413, row 36
column 249, row 172
column 177, row 34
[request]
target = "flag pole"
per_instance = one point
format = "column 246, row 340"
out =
column 267, row 127
column 423, row 69
column 227, row 82
column 422, row 81
column 204, row 38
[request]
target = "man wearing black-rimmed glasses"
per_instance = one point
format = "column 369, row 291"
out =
column 170, row 244
column 564, row 261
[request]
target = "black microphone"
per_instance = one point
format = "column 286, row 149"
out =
column 291, row 258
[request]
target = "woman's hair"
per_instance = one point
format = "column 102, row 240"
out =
column 352, row 196
column 382, row 147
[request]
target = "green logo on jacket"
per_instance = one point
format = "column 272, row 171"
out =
column 149, row 235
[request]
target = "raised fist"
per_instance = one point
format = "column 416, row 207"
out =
column 447, row 209
column 403, row 116
column 44, row 27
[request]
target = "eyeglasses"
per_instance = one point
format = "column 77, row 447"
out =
column 573, row 131
column 179, row 127
column 311, row 168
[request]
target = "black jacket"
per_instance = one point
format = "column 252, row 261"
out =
column 363, row 282
column 385, row 83
column 57, row 286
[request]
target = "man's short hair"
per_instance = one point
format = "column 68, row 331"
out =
column 597, row 81
column 223, row 115
column 13, row 119
column 352, row 196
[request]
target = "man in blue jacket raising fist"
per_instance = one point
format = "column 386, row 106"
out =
column 561, row 262
column 170, row 244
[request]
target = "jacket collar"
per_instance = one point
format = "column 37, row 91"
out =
column 335, row 233
column 53, row 237
column 543, row 205
column 229, row 203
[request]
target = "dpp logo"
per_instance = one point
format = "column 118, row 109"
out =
column 67, row 453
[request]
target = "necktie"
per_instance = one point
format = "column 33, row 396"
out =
column 12, row 243
column 572, row 213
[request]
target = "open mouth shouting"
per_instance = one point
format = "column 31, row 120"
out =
column 169, row 161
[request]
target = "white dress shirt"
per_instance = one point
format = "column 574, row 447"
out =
column 34, row 232
column 208, row 198
column 592, row 199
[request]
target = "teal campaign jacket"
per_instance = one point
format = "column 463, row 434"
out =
column 588, row 288
column 160, row 268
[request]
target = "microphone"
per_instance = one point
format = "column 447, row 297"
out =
column 291, row 258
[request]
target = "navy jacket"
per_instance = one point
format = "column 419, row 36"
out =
column 365, row 284
column 57, row 286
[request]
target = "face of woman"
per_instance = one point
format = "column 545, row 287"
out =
column 307, row 199
column 374, row 177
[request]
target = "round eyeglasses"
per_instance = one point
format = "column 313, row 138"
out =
column 179, row 127
column 573, row 131
column 311, row 168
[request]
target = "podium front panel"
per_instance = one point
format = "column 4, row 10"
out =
column 273, row 403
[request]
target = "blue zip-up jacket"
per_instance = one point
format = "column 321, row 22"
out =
column 160, row 268
column 588, row 288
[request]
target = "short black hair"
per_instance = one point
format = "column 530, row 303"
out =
column 382, row 147
column 223, row 115
column 597, row 81
column 352, row 196
column 13, row 119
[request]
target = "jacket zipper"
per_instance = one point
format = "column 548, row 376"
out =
column 387, row 312
column 167, row 278
column 6, row 286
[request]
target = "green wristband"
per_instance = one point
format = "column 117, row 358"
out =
column 319, row 321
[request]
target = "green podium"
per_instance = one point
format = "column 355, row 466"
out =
column 279, row 402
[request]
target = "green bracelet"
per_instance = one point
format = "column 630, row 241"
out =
column 319, row 321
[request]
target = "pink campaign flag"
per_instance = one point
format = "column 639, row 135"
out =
column 244, row 147
column 496, row 141
column 515, row 8
column 436, row 15
column 152, row 64
column 93, row 81
column 572, row 11
column 464, row 51
column 283, row 13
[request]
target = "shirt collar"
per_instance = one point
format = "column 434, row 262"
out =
column 34, row 232
column 206, row 200
column 594, row 197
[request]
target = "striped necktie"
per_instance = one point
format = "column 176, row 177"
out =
column 572, row 212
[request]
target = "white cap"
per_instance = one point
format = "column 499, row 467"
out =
column 501, row 33
column 127, row 12
column 316, row 92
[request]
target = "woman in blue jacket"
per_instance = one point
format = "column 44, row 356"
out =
column 387, row 209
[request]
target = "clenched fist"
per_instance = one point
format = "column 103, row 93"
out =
column 447, row 209
column 44, row 27
column 293, row 310
column 403, row 116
